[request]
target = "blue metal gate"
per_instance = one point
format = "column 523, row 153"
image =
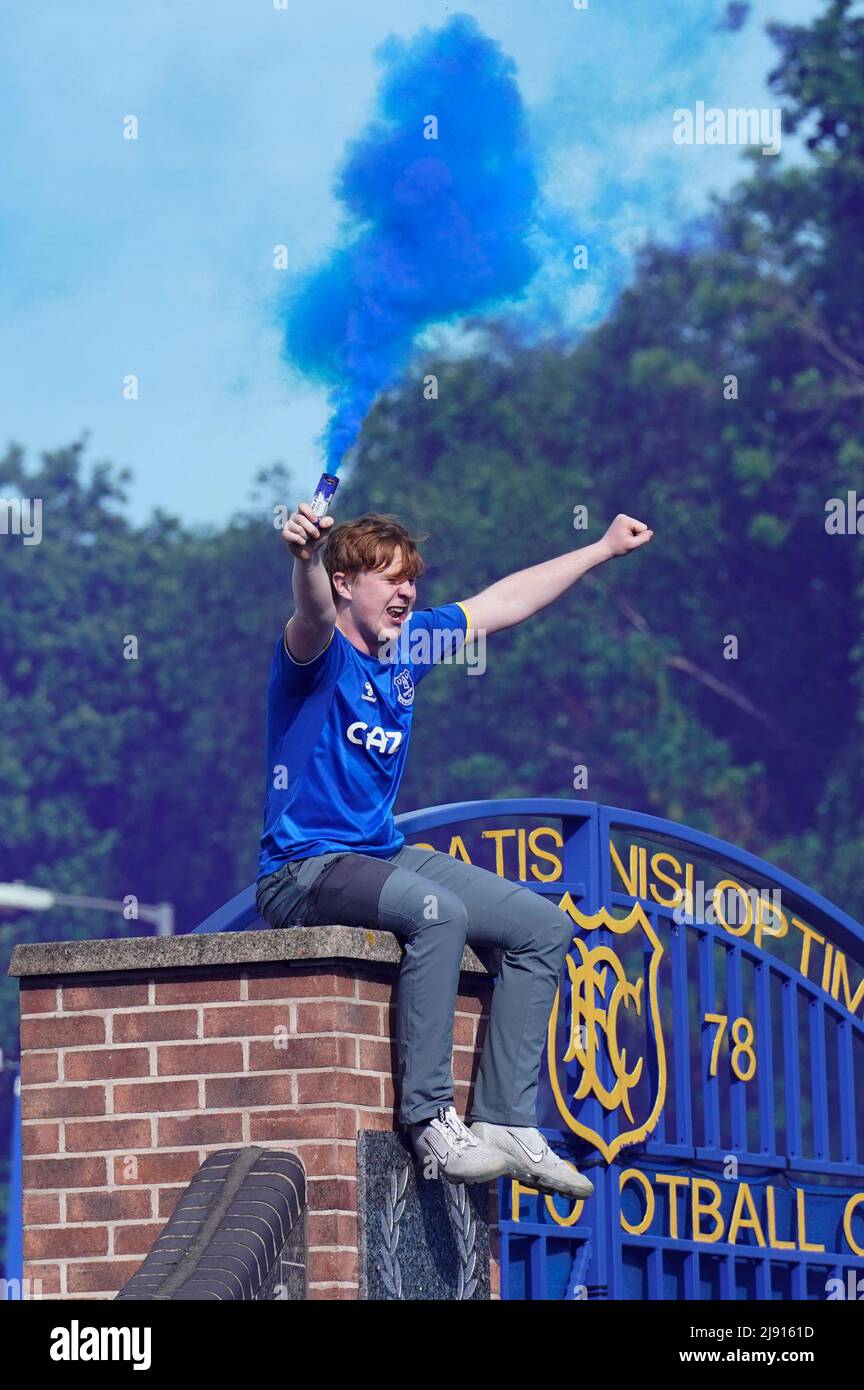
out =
column 703, row 1063
column 705, row 1067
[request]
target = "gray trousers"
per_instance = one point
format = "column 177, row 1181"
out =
column 434, row 904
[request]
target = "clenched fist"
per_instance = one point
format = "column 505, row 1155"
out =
column 625, row 534
column 304, row 532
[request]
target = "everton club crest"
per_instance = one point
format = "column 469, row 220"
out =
column 404, row 686
column 613, row 1049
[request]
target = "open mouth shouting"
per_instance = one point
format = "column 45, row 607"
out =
column 397, row 612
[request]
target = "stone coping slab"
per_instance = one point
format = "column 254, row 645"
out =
column 292, row 944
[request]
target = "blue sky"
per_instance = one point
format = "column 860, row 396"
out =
column 155, row 256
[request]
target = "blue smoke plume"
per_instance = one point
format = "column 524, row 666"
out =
column 436, row 227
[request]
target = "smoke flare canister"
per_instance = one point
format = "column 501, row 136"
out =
column 327, row 485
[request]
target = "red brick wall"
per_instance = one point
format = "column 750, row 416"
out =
column 128, row 1082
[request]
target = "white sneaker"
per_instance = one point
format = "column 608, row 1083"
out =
column 459, row 1155
column 532, row 1161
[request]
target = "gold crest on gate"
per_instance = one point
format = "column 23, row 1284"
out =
column 601, row 997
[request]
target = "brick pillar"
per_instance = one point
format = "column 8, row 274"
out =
column 141, row 1056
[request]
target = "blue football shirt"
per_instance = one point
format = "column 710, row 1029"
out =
column 337, row 738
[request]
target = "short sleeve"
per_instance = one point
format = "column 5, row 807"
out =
column 435, row 636
column 305, row 675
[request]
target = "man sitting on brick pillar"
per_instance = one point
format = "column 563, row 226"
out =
column 340, row 706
